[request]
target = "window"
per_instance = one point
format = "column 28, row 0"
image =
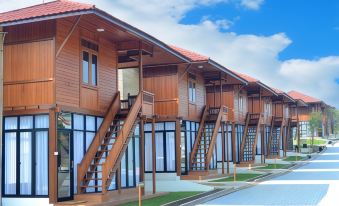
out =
column 164, row 147
column 26, row 155
column 89, row 63
column 192, row 89
column 188, row 134
column 241, row 103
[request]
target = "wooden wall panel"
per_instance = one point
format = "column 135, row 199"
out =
column 183, row 91
column 69, row 89
column 227, row 100
column 29, row 74
column 28, row 94
column 67, row 66
column 188, row 110
column 165, row 89
column 29, row 61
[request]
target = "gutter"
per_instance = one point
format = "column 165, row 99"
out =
column 2, row 40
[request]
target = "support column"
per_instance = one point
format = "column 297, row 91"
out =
column 141, row 83
column 233, row 144
column 298, row 130
column 227, row 157
column 178, row 146
column 2, row 41
column 153, row 156
column 223, row 148
column 262, row 136
column 142, row 154
column 52, row 158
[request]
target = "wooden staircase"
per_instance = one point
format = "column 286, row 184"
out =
column 99, row 166
column 250, row 138
column 203, row 148
column 288, row 137
column 276, row 134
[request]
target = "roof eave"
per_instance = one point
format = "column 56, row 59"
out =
column 132, row 30
column 267, row 88
column 224, row 69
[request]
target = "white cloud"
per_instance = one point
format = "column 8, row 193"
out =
column 252, row 4
column 255, row 55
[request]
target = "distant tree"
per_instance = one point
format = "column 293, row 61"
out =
column 315, row 123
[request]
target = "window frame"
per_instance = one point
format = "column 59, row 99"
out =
column 193, row 89
column 17, row 132
column 91, row 53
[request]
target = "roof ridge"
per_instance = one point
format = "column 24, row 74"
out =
column 46, row 3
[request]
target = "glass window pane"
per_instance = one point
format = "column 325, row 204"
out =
column 85, row 66
column 25, row 163
column 130, row 163
column 78, row 152
column 170, row 151
column 148, row 127
column 123, row 171
column 148, row 154
column 137, row 159
column 65, row 121
column 78, row 121
column 10, row 163
column 41, row 162
column 159, row 126
column 26, row 122
column 99, row 121
column 159, row 151
column 94, row 70
column 11, row 123
column 188, row 127
column 89, row 138
column 42, row 121
column 90, row 123
column 170, row 125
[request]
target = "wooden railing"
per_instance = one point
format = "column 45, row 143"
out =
column 114, row 156
column 147, row 103
column 214, row 135
column 97, row 140
column 199, row 134
column 270, row 137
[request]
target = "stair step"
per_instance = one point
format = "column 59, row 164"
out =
column 94, row 171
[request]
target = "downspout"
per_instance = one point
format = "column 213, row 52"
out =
column 2, row 40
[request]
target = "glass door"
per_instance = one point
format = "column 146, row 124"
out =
column 65, row 166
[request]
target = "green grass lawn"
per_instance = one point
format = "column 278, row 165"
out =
column 240, row 177
column 293, row 158
column 172, row 196
column 274, row 166
column 315, row 142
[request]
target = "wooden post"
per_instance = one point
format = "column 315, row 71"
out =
column 265, row 146
column 178, row 146
column 141, row 83
column 227, row 157
column 2, row 41
column 223, row 148
column 233, row 144
column 298, row 129
column 262, row 143
column 142, row 153
column 52, row 158
column 153, row 156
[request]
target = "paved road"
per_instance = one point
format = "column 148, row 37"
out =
column 316, row 183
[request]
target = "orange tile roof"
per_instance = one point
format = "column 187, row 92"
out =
column 303, row 97
column 46, row 9
column 247, row 78
column 193, row 56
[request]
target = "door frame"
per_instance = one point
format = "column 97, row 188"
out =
column 71, row 166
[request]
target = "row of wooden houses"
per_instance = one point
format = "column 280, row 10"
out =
column 92, row 104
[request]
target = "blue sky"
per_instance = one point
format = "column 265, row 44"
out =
column 312, row 25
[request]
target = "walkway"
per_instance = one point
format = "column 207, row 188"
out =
column 316, row 183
